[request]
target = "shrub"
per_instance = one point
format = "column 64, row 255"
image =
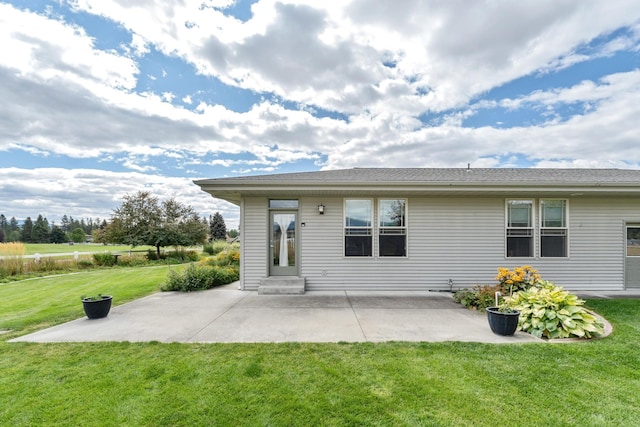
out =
column 47, row 264
column 228, row 257
column 198, row 277
column 219, row 246
column 207, row 248
column 104, row 259
column 479, row 297
column 84, row 263
column 179, row 255
column 132, row 261
column 509, row 281
column 548, row 311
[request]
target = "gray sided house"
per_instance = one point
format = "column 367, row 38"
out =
column 435, row 229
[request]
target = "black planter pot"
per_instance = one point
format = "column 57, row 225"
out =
column 502, row 323
column 97, row 309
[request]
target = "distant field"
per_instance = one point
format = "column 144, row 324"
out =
column 51, row 248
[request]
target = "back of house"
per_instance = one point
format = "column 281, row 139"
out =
column 435, row 229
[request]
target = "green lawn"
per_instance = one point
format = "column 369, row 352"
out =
column 41, row 302
column 441, row 384
column 50, row 248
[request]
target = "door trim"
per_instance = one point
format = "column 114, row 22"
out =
column 275, row 243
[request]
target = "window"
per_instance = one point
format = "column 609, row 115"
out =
column 392, row 229
column 358, row 227
column 633, row 241
column 553, row 228
column 283, row 204
column 519, row 228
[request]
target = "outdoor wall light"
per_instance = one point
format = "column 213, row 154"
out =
column 321, row 209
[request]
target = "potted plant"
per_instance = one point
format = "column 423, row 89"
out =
column 503, row 320
column 96, row 307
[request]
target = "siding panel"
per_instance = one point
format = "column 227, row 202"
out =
column 254, row 241
column 449, row 238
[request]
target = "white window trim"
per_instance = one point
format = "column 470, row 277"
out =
column 375, row 227
column 371, row 227
column 532, row 227
column 565, row 228
column 404, row 228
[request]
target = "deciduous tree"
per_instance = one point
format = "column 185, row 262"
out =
column 143, row 220
column 78, row 235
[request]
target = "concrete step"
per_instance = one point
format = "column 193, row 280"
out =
column 281, row 285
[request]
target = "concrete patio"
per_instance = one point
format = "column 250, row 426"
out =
column 226, row 314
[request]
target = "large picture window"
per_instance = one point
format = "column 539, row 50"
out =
column 392, row 228
column 519, row 228
column 358, row 227
column 553, row 228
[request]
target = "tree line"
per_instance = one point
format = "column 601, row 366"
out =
column 141, row 220
column 41, row 231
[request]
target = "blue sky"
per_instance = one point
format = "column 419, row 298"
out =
column 103, row 98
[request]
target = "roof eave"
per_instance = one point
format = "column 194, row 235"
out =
column 233, row 192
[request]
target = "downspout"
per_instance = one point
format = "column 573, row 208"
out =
column 242, row 245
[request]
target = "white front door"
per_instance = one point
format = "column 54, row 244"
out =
column 283, row 244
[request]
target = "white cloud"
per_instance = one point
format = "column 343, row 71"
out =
column 38, row 48
column 331, row 54
column 91, row 193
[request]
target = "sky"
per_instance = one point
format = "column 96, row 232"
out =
column 103, row 98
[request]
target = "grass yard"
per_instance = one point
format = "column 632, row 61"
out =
column 37, row 303
column 391, row 384
column 51, row 248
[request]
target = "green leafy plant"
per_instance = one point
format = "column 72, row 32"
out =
column 104, row 259
column 93, row 297
column 479, row 297
column 548, row 311
column 199, row 277
column 509, row 281
column 218, row 246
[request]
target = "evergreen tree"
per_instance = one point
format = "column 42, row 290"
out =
column 13, row 224
column 58, row 235
column 4, row 228
column 217, row 228
column 27, row 226
column 40, row 231
column 64, row 224
column 14, row 234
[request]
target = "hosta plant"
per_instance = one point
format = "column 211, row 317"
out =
column 548, row 311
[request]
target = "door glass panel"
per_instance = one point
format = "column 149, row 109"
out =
column 283, row 204
column 284, row 239
column 633, row 241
